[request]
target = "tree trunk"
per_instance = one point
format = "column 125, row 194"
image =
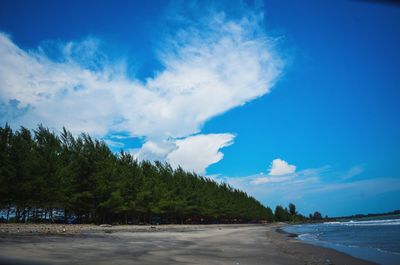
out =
column 23, row 215
column 8, row 213
column 65, row 215
column 17, row 215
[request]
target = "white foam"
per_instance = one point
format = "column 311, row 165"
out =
column 367, row 223
column 307, row 236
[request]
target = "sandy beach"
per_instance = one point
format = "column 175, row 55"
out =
column 164, row 244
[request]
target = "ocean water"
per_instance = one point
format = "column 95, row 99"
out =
column 376, row 240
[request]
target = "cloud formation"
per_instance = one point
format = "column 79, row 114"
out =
column 279, row 171
column 208, row 68
column 196, row 153
column 281, row 167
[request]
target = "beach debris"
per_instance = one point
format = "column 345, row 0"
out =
column 105, row 225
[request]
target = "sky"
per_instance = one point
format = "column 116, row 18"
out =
column 290, row 101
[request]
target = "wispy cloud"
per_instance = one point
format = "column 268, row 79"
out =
column 262, row 180
column 266, row 182
column 114, row 144
column 352, row 172
column 209, row 67
column 323, row 182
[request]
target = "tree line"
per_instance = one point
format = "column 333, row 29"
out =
column 55, row 177
column 41, row 171
column 290, row 214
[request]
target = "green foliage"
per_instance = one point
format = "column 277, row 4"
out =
column 280, row 214
column 288, row 215
column 316, row 216
column 83, row 178
column 292, row 209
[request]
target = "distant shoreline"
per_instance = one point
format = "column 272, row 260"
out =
column 164, row 244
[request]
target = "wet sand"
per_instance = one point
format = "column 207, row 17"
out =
column 169, row 244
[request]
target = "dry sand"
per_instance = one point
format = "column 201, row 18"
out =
column 166, row 244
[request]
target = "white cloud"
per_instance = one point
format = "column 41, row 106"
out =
column 280, row 182
column 155, row 150
column 281, row 167
column 209, row 68
column 114, row 143
column 279, row 171
column 196, row 153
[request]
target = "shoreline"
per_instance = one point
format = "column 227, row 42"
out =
column 163, row 244
column 358, row 250
column 337, row 256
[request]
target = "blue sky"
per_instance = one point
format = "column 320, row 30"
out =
column 289, row 101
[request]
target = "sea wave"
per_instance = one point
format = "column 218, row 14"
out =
column 308, row 237
column 366, row 223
